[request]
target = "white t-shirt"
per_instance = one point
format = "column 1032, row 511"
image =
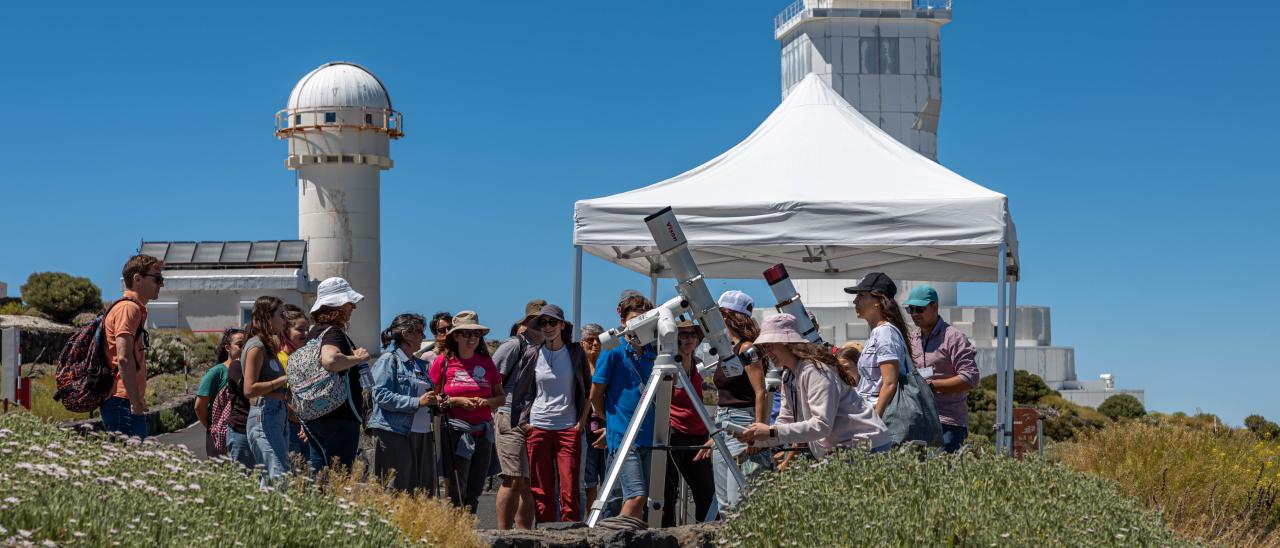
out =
column 422, row 417
column 885, row 344
column 553, row 407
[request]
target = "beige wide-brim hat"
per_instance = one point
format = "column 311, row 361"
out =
column 779, row 328
column 468, row 320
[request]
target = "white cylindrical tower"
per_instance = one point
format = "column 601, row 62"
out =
column 884, row 57
column 339, row 124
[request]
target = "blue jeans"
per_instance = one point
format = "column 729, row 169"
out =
column 953, row 437
column 726, row 486
column 238, row 448
column 329, row 439
column 117, row 416
column 633, row 480
column 266, row 428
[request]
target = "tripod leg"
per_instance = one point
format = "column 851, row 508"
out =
column 716, row 436
column 658, row 454
column 628, row 445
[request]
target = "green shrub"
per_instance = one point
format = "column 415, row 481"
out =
column 60, row 295
column 1261, row 427
column 1064, row 420
column 856, row 499
column 14, row 308
column 1122, row 406
column 1028, row 388
column 166, row 353
column 89, row 490
column 171, row 421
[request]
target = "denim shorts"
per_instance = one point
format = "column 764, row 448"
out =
column 634, row 477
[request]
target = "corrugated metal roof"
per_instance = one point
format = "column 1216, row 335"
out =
column 339, row 84
column 217, row 255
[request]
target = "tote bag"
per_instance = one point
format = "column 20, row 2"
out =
column 913, row 414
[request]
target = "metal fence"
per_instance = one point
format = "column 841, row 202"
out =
column 800, row 6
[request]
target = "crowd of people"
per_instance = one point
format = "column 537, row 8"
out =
column 435, row 411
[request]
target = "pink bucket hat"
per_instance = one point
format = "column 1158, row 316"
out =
column 779, row 328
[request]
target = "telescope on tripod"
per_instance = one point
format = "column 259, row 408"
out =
column 658, row 327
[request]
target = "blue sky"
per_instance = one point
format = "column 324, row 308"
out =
column 1135, row 142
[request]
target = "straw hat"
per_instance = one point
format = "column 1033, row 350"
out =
column 468, row 319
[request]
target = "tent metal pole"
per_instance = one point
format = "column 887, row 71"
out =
column 577, row 292
column 653, row 288
column 1011, row 355
column 1002, row 390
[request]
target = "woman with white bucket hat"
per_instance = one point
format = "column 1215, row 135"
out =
column 336, row 435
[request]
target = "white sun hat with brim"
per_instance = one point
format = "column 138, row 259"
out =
column 335, row 292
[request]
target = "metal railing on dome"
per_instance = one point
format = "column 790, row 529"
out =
column 800, row 6
column 391, row 122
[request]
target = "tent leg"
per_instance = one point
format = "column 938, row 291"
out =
column 577, row 292
column 653, row 288
column 1003, row 422
column 1010, row 357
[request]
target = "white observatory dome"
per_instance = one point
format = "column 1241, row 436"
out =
column 339, row 84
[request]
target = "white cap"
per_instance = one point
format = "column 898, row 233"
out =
column 335, row 292
column 737, row 301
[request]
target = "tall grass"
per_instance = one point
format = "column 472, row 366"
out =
column 419, row 516
column 1215, row 484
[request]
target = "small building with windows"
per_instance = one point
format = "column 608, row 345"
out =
column 210, row 286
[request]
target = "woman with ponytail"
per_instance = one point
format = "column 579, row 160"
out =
column 885, row 355
column 401, row 421
column 264, row 385
column 820, row 407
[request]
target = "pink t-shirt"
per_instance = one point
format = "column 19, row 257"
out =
column 470, row 378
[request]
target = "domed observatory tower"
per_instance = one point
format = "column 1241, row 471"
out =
column 339, row 124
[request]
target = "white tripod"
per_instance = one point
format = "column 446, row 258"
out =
column 658, row 326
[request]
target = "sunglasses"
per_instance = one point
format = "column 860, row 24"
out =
column 688, row 335
column 916, row 309
column 467, row 334
column 548, row 322
column 158, row 277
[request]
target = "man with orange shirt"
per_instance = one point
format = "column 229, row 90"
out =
column 125, row 411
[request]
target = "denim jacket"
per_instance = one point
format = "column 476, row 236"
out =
column 395, row 390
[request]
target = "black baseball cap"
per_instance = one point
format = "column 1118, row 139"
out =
column 875, row 281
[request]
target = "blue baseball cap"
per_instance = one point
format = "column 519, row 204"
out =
column 922, row 295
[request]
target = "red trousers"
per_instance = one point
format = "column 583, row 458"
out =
column 554, row 455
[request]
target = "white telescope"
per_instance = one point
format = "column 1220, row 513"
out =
column 701, row 306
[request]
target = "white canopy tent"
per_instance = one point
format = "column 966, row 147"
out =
column 823, row 190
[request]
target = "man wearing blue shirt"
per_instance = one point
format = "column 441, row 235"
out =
column 616, row 387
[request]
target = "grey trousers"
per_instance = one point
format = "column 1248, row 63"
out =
column 411, row 457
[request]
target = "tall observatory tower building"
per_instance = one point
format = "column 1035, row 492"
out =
column 884, row 58
column 339, row 124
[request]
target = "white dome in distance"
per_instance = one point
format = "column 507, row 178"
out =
column 339, row 85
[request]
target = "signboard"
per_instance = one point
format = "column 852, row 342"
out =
column 1026, row 431
column 9, row 361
